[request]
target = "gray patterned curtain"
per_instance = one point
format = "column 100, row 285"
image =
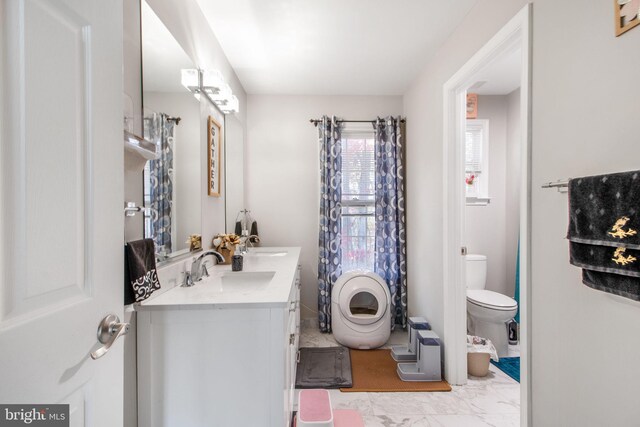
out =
column 330, row 254
column 390, row 258
column 159, row 130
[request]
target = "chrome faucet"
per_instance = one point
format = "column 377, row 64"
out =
column 198, row 270
column 244, row 239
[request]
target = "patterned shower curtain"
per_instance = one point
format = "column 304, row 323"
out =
column 159, row 130
column 390, row 242
column 330, row 254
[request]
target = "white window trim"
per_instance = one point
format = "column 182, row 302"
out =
column 483, row 198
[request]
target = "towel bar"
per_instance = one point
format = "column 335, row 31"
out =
column 561, row 185
column 130, row 209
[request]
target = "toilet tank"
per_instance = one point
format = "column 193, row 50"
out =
column 476, row 271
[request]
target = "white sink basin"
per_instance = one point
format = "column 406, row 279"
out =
column 236, row 282
column 243, row 281
column 258, row 252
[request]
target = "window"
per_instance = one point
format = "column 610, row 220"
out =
column 477, row 162
column 358, row 199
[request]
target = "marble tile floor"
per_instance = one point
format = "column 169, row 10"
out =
column 490, row 401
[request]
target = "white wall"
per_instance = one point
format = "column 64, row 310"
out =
column 423, row 106
column 485, row 225
column 282, row 170
column 585, row 113
column 234, row 164
column 186, row 160
column 492, row 230
column 586, row 105
column 512, row 188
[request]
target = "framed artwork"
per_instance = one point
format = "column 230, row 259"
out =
column 627, row 15
column 472, row 106
column 214, row 150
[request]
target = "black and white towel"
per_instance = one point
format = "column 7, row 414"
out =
column 141, row 278
column 604, row 221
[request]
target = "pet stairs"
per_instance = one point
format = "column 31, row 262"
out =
column 428, row 366
column 408, row 353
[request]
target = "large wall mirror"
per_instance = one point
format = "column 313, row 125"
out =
column 234, row 171
column 172, row 184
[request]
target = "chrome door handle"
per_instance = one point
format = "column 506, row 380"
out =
column 109, row 330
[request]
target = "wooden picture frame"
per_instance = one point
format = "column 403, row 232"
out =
column 626, row 15
column 472, row 106
column 214, row 156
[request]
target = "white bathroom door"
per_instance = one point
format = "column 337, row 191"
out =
column 61, row 216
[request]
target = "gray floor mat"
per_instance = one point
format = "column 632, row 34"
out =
column 324, row 367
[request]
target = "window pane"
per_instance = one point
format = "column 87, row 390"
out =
column 358, row 240
column 473, row 149
column 358, row 198
column 358, row 169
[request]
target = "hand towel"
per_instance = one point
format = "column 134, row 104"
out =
column 603, row 210
column 141, row 269
column 254, row 232
column 603, row 231
column 605, row 259
column 624, row 286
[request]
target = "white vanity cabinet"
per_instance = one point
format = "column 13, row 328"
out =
column 206, row 359
column 292, row 332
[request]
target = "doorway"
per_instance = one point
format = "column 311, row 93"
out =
column 513, row 39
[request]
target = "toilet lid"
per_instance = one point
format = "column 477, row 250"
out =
column 490, row 299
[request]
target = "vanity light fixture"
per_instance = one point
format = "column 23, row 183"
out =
column 232, row 106
column 222, row 95
column 190, row 79
column 210, row 83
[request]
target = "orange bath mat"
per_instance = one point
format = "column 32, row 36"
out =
column 375, row 371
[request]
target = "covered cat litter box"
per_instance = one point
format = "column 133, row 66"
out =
column 479, row 351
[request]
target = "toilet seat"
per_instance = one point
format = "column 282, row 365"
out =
column 491, row 300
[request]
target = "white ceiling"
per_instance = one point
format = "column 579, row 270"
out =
column 162, row 56
column 331, row 47
column 501, row 77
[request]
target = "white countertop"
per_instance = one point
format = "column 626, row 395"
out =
column 224, row 288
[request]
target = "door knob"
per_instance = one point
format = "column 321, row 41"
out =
column 109, row 330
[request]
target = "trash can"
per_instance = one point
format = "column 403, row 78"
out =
column 479, row 352
column 478, row 364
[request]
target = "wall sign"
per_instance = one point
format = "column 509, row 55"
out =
column 627, row 15
column 214, row 150
column 472, row 106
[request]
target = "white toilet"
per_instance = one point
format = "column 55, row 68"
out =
column 488, row 311
column 361, row 310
